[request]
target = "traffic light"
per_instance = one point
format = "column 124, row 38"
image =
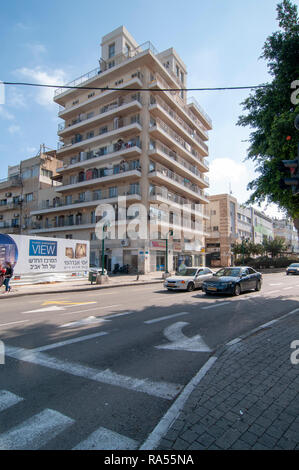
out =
column 293, row 180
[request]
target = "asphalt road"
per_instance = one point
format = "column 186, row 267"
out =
column 101, row 369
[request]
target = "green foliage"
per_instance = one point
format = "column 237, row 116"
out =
column 274, row 247
column 271, row 115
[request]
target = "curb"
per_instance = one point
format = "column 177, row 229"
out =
column 81, row 289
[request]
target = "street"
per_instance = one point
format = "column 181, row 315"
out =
column 100, row 369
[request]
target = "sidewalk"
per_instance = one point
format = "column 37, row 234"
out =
column 248, row 399
column 78, row 285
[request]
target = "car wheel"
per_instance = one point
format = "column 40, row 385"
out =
column 258, row 286
column 237, row 289
column 208, row 293
column 190, row 287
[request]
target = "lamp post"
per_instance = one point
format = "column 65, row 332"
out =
column 103, row 246
column 170, row 232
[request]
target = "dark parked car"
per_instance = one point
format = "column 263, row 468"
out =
column 233, row 281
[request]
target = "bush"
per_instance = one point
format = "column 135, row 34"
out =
column 263, row 262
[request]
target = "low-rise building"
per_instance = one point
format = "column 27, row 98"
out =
column 23, row 189
column 284, row 228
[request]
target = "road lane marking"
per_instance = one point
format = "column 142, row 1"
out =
column 105, row 439
column 164, row 390
column 67, row 302
column 69, row 341
column 80, row 311
column 155, row 320
column 117, row 315
column 84, row 321
column 178, row 341
column 53, row 308
column 13, row 322
column 36, row 431
column 287, row 288
column 174, row 411
column 276, row 284
column 215, row 305
column 8, row 399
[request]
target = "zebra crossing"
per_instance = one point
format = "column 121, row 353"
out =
column 42, row 427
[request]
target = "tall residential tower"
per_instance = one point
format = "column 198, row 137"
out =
column 133, row 137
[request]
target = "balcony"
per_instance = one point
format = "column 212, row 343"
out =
column 164, row 195
column 193, row 103
column 164, row 133
column 10, row 206
column 93, row 177
column 159, row 108
column 167, row 156
column 92, row 199
column 12, row 181
column 104, row 154
column 161, row 174
column 122, row 127
column 174, row 98
column 129, row 103
column 88, row 77
column 9, row 227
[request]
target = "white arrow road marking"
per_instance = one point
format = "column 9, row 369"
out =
column 178, row 341
column 85, row 321
column 53, row 308
column 165, row 390
column 155, row 320
column 105, row 439
column 8, row 399
column 35, row 432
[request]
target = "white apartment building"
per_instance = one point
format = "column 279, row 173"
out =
column 137, row 138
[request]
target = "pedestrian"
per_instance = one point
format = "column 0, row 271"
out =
column 2, row 275
column 8, row 276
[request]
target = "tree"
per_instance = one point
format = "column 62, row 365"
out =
column 274, row 247
column 271, row 114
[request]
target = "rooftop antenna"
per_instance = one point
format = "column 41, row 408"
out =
column 230, row 188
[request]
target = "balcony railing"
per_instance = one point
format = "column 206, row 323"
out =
column 104, row 151
column 106, row 65
column 200, row 109
column 93, row 196
column 177, row 178
column 175, row 136
column 119, row 124
column 98, row 173
column 156, row 145
column 175, row 97
column 104, row 109
column 164, row 193
column 178, row 119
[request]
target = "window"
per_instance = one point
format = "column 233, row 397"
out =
column 113, row 191
column 46, row 173
column 29, row 197
column 103, row 130
column 111, row 64
column 68, row 199
column 81, row 197
column 177, row 71
column 111, row 50
column 93, row 236
column 90, row 95
column 89, row 135
column 69, row 236
column 215, row 229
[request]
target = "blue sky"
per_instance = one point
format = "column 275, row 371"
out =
column 54, row 42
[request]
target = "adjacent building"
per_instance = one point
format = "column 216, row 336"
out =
column 21, row 192
column 116, row 139
column 284, row 228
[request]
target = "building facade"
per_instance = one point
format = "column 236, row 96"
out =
column 129, row 138
column 21, row 192
column 284, row 228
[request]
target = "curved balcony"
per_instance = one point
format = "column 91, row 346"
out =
column 175, row 162
column 164, row 176
column 124, row 126
column 85, row 120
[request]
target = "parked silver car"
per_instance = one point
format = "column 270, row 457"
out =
column 188, row 278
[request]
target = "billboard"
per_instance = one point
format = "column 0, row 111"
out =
column 44, row 255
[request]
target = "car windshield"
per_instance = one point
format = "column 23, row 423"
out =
column 233, row 272
column 186, row 272
column 294, row 265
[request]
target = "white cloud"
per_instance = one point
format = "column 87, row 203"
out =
column 36, row 49
column 226, row 174
column 14, row 129
column 16, row 98
column 4, row 114
column 44, row 96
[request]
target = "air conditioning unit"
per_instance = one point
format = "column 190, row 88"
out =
column 39, row 217
column 125, row 242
